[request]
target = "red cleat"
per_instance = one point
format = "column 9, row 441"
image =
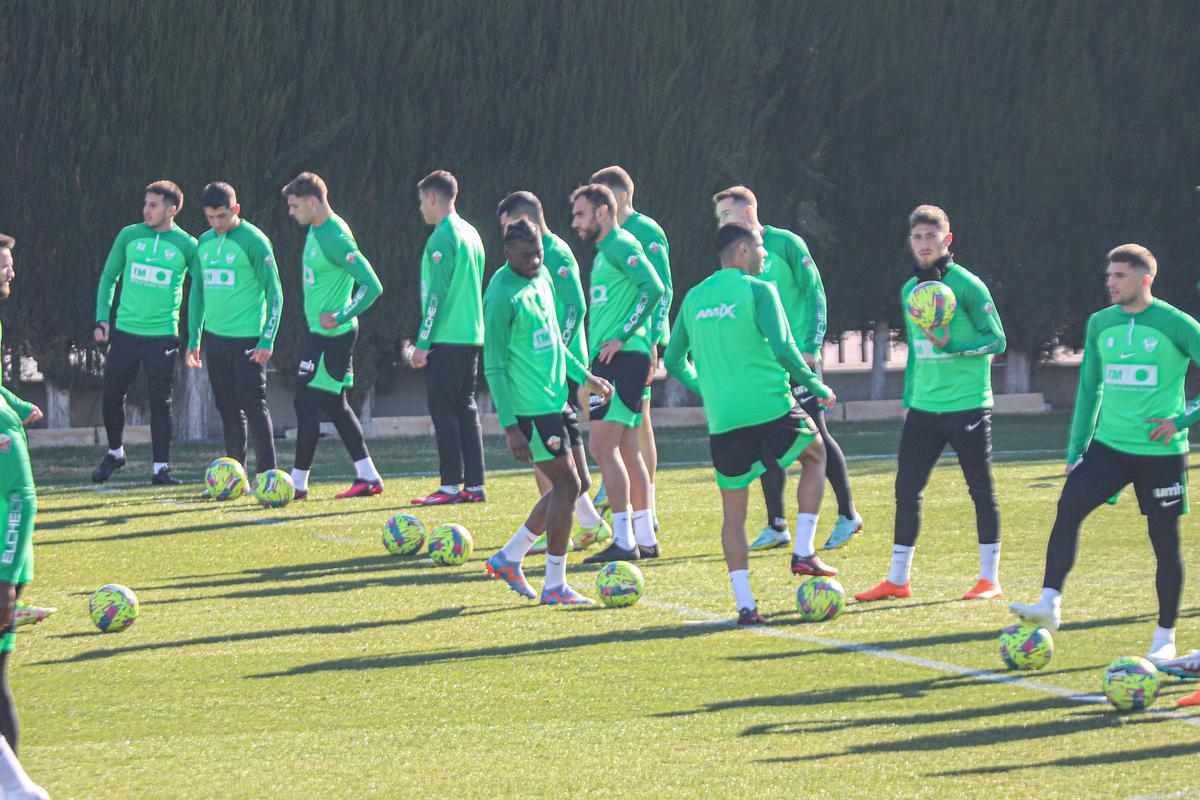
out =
column 301, row 494
column 1192, row 699
column 983, row 590
column 438, row 498
column 361, row 488
column 884, row 590
column 471, row 496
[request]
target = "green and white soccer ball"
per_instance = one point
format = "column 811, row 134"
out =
column 620, row 584
column 820, row 599
column 226, row 479
column 450, row 545
column 403, row 535
column 1131, row 683
column 1026, row 646
column 274, row 488
column 113, row 607
column 931, row 304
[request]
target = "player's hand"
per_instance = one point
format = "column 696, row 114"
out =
column 518, row 445
column 1166, row 428
column 35, row 415
column 419, row 358
column 8, row 602
column 610, row 349
column 939, row 342
column 811, row 360
column 261, row 356
column 1071, row 465
column 192, row 358
column 599, row 387
column 827, row 402
column 100, row 332
column 327, row 321
column 653, row 365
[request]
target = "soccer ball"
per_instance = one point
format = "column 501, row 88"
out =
column 820, row 599
column 1026, row 646
column 274, row 489
column 226, row 479
column 620, row 584
column 1131, row 683
column 113, row 607
column 403, row 535
column 450, row 545
column 931, row 304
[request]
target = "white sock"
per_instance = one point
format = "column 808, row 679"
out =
column 556, row 571
column 13, row 779
column 1050, row 598
column 806, row 534
column 643, row 528
column 742, row 596
column 623, row 529
column 300, row 478
column 1162, row 636
column 446, row 488
column 158, row 467
column 364, row 468
column 519, row 544
column 902, row 558
column 653, row 504
column 586, row 513
column 118, row 453
column 989, row 562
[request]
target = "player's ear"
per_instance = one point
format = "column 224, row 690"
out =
column 949, row 238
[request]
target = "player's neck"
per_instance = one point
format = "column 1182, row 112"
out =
column 163, row 228
column 442, row 213
column 605, row 230
column 322, row 216
column 1139, row 305
column 625, row 212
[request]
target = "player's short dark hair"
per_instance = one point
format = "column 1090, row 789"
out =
column 739, row 193
column 521, row 203
column 1136, row 255
column 521, row 230
column 732, row 234
column 218, row 195
column 306, row 184
column 169, row 191
column 7, row 242
column 614, row 177
column 441, row 183
column 598, row 195
column 929, row 215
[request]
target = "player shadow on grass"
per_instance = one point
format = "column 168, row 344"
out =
column 109, row 519
column 294, row 572
column 239, row 523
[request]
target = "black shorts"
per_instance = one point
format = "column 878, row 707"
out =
column 627, row 373
column 556, row 434
column 327, row 362
column 807, row 400
column 1160, row 482
column 740, row 455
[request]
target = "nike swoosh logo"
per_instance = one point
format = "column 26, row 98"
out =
column 249, row 352
column 171, row 352
column 974, row 425
column 1169, row 503
column 1125, row 355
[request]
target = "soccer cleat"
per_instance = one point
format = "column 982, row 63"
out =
column 597, row 534
column 361, row 488
column 163, row 478
column 472, row 496
column 510, row 571
column 25, row 614
column 564, row 596
column 845, row 529
column 1192, row 699
column 301, row 494
column 811, row 565
column 614, row 552
column 539, row 546
column 108, row 465
column 984, row 590
column 1164, row 652
column 655, row 526
column 651, row 551
column 1185, row 668
column 884, row 590
column 769, row 537
column 750, row 616
column 1045, row 616
column 438, row 498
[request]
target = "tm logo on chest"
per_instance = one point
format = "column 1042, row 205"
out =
column 148, row 275
column 599, row 294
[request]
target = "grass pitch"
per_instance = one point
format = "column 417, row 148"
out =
column 285, row 654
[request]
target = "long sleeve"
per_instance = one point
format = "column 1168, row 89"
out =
column 195, row 319
column 659, row 253
column 576, row 369
column 440, row 254
column 676, row 358
column 341, row 249
column 1087, row 397
column 573, row 301
column 497, row 326
column 986, row 320
column 1191, row 346
column 647, row 280
column 22, row 407
column 113, row 266
column 768, row 313
column 810, row 333
column 268, row 276
column 910, row 363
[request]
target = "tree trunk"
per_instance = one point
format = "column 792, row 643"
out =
column 675, row 395
column 1017, row 373
column 195, row 400
column 58, row 407
column 881, row 340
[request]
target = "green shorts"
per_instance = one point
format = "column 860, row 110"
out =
column 740, row 456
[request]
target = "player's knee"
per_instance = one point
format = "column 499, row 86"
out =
column 814, row 454
column 566, row 482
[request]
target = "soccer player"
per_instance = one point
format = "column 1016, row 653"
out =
column 570, row 304
column 333, row 265
column 654, row 242
column 527, row 363
column 237, row 298
column 625, row 293
column 1130, row 426
column 151, row 259
column 734, row 326
column 449, row 340
column 790, row 267
column 947, row 400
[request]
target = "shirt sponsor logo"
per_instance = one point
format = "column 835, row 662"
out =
column 220, row 277
column 543, row 338
column 1149, row 343
column 720, row 311
column 5, row 442
column 148, row 275
column 16, row 509
column 1137, row 375
column 599, row 294
column 307, row 368
column 310, row 276
column 924, row 349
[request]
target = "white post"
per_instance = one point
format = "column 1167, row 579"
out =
column 881, row 343
column 1018, row 372
column 58, row 407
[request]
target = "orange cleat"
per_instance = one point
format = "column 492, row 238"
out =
column 984, row 590
column 883, row 590
column 1192, row 699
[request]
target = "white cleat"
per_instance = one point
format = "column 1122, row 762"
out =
column 1185, row 667
column 1164, row 652
column 1044, row 615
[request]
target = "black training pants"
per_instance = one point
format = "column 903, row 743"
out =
column 240, row 389
column 127, row 353
column 450, row 392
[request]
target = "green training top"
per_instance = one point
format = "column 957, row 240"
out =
column 151, row 266
column 524, row 358
column 18, row 405
column 1133, row 368
column 654, row 242
column 791, row 268
column 569, row 298
column 958, row 377
column 451, row 277
column 333, row 264
column 625, row 289
column 734, row 326
column 235, row 287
